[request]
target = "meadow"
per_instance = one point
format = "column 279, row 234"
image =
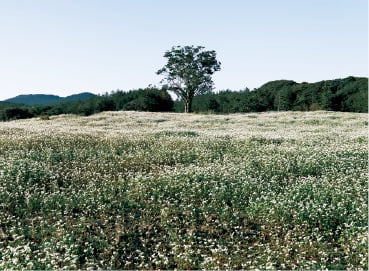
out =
column 135, row 190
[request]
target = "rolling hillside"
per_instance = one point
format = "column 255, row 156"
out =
column 43, row 99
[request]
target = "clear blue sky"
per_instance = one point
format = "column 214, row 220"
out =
column 65, row 47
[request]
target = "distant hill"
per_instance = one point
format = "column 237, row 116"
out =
column 43, row 99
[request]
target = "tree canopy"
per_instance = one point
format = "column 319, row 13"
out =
column 188, row 72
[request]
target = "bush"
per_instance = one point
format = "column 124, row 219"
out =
column 44, row 117
column 16, row 113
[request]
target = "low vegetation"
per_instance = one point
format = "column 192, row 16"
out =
column 136, row 190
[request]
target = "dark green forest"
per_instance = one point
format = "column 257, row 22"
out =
column 349, row 95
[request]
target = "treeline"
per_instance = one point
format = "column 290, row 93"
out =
column 349, row 94
column 149, row 99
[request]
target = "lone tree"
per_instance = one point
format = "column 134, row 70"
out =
column 188, row 72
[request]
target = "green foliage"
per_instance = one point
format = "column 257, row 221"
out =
column 188, row 72
column 349, row 95
column 149, row 99
column 13, row 113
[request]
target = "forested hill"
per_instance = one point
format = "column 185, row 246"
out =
column 349, row 94
column 43, row 99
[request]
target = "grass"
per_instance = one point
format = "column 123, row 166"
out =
column 131, row 190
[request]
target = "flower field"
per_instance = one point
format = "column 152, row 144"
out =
column 134, row 190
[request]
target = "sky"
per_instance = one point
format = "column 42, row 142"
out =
column 65, row 47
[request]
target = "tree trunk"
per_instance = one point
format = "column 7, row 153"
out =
column 188, row 105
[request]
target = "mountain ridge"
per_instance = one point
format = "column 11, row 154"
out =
column 47, row 99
